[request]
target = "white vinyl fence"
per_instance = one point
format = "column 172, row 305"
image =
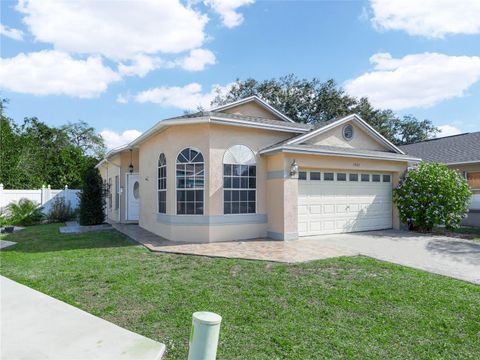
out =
column 44, row 196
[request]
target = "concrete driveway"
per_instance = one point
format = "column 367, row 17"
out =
column 442, row 255
column 36, row 326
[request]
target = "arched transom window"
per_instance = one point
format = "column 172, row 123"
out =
column 190, row 182
column 162, row 184
column 239, row 181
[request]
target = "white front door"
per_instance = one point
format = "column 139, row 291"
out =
column 133, row 196
column 339, row 202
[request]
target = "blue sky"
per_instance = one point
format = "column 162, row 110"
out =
column 122, row 68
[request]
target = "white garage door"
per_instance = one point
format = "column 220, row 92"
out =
column 338, row 202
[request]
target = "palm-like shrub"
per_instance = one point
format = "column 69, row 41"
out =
column 431, row 195
column 24, row 212
column 60, row 211
column 92, row 202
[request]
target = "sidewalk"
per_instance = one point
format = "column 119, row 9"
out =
column 36, row 326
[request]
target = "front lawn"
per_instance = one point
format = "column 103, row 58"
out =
column 338, row 308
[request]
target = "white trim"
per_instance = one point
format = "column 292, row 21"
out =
column 227, row 121
column 341, row 121
column 256, row 99
column 293, row 149
column 127, row 184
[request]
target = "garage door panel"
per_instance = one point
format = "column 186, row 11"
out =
column 337, row 206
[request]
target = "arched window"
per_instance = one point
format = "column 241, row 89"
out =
column 239, row 181
column 190, row 182
column 162, row 184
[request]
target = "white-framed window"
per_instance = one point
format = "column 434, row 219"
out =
column 239, row 181
column 117, row 192
column 162, row 184
column 190, row 182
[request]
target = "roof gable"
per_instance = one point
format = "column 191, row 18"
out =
column 329, row 127
column 252, row 106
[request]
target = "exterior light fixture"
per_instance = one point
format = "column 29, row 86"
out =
column 293, row 168
column 130, row 167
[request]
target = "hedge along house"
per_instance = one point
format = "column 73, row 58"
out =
column 245, row 170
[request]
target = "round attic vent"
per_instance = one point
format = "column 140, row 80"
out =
column 348, row 132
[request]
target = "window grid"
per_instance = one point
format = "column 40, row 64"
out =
column 190, row 180
column 162, row 184
column 239, row 184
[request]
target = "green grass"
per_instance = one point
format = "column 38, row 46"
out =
column 339, row 308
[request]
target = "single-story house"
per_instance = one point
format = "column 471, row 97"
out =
column 460, row 152
column 245, row 170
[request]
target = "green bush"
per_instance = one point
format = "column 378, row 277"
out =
column 60, row 211
column 431, row 195
column 24, row 212
column 92, row 201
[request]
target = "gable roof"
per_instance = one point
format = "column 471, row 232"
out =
column 327, row 125
column 256, row 100
column 455, row 149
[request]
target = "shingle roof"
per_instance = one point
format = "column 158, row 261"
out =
column 253, row 119
column 450, row 149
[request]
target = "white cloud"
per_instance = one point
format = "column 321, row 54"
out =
column 227, row 9
column 115, row 29
column 113, row 139
column 448, row 130
column 57, row 73
column 197, row 60
column 188, row 97
column 429, row 18
column 417, row 80
column 140, row 65
column 14, row 34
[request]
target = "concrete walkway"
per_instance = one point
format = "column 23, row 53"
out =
column 5, row 244
column 442, row 255
column 36, row 326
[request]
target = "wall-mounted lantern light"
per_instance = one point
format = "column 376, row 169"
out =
column 130, row 167
column 293, row 168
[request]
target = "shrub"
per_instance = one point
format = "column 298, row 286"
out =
column 25, row 212
column 92, row 201
column 430, row 195
column 60, row 211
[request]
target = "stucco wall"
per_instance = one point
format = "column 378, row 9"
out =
column 334, row 137
column 283, row 189
column 251, row 109
column 212, row 141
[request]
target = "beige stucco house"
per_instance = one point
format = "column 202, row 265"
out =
column 245, row 170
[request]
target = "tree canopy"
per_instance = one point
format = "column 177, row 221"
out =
column 34, row 154
column 313, row 101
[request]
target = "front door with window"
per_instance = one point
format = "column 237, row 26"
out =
column 133, row 197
